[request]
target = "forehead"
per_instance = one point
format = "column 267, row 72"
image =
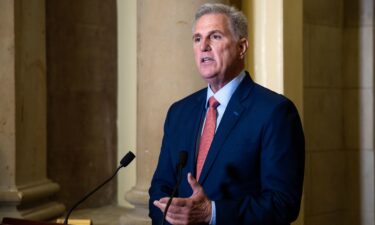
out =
column 213, row 21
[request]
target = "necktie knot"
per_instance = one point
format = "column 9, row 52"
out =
column 212, row 102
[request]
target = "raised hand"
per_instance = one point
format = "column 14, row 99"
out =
column 193, row 210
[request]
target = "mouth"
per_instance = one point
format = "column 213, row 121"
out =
column 207, row 59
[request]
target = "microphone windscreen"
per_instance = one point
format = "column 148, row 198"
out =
column 183, row 158
column 127, row 159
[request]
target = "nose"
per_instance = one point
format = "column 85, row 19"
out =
column 205, row 45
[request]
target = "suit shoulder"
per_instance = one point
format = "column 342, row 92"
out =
column 190, row 100
column 263, row 103
column 183, row 109
column 265, row 98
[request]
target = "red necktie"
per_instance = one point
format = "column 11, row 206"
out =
column 208, row 133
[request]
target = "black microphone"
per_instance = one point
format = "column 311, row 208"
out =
column 123, row 163
column 181, row 164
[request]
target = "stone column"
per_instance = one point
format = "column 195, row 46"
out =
column 24, row 187
column 165, row 72
column 275, row 49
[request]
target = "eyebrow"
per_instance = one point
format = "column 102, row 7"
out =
column 196, row 35
column 211, row 32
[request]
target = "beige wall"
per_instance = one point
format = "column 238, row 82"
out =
column 338, row 99
column 325, row 196
column 326, row 159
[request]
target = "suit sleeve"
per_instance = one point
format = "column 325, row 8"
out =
column 282, row 170
column 164, row 177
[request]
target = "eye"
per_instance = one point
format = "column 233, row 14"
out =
column 216, row 36
column 196, row 39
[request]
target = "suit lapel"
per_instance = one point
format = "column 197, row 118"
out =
column 230, row 118
column 195, row 120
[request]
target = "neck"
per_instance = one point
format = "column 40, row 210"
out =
column 216, row 85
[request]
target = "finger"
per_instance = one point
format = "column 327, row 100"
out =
column 176, row 219
column 180, row 202
column 160, row 205
column 193, row 183
column 177, row 215
column 175, row 206
column 164, row 200
column 173, row 220
column 174, row 211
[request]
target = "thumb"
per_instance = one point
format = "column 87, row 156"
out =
column 193, row 184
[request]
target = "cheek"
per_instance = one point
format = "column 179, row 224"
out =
column 231, row 55
column 224, row 54
column 196, row 57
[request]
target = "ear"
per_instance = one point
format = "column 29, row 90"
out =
column 243, row 45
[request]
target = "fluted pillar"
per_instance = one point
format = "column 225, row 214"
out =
column 165, row 72
column 24, row 187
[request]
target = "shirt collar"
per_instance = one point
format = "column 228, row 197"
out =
column 225, row 93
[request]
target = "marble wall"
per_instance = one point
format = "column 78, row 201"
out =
column 338, row 111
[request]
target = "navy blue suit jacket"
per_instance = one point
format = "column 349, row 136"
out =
column 255, row 166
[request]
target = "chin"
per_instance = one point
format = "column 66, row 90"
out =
column 208, row 76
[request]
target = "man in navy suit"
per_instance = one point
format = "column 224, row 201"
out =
column 252, row 170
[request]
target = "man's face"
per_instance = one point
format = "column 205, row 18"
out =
column 217, row 52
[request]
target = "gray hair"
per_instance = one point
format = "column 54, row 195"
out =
column 237, row 20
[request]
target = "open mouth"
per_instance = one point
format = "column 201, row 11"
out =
column 206, row 59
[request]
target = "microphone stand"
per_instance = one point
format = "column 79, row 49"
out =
column 124, row 162
column 181, row 164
